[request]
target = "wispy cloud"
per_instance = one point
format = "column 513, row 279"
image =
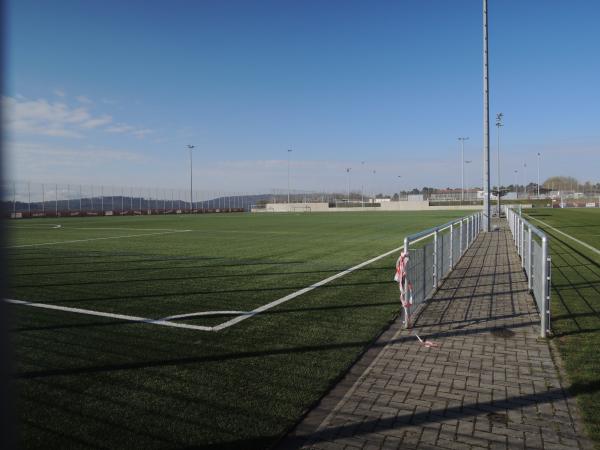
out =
column 97, row 121
column 48, row 155
column 59, row 92
column 59, row 119
column 120, row 128
column 83, row 99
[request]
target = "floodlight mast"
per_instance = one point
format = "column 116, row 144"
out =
column 468, row 162
column 486, row 124
column 399, row 185
column 538, row 174
column 190, row 147
column 348, row 172
column 462, row 167
column 499, row 124
column 289, row 152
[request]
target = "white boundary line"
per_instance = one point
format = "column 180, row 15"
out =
column 204, row 313
column 588, row 246
column 67, row 227
column 96, row 239
column 293, row 295
column 89, row 312
column 243, row 316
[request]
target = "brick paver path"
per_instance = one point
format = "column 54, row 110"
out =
column 492, row 382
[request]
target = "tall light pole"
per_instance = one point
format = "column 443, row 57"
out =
column 499, row 124
column 374, row 172
column 399, row 177
column 538, row 177
column 289, row 151
column 516, row 187
column 467, row 162
column 486, row 125
column 348, row 172
column 190, row 147
column 462, row 167
column 362, row 186
column 525, row 178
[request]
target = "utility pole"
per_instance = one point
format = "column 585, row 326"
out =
column 486, row 125
column 499, row 124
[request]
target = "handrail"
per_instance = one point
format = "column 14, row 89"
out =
column 416, row 237
column 522, row 231
column 467, row 229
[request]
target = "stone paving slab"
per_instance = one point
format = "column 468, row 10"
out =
column 491, row 383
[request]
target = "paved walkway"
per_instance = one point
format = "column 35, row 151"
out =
column 491, row 383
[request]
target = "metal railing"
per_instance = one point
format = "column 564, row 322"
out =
column 533, row 248
column 439, row 251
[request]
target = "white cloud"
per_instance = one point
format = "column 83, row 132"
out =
column 98, row 121
column 33, row 160
column 142, row 133
column 83, row 99
column 58, row 119
column 120, row 128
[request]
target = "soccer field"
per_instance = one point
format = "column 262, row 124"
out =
column 177, row 331
column 575, row 249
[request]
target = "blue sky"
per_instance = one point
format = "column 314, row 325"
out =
column 110, row 92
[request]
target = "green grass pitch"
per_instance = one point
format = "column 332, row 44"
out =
column 575, row 300
column 100, row 382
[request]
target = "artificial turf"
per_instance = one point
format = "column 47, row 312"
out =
column 575, row 303
column 95, row 382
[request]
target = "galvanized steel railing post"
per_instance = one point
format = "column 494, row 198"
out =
column 545, row 288
column 468, row 233
column 461, row 233
column 408, row 309
column 451, row 246
column 522, row 244
column 529, row 260
column 435, row 259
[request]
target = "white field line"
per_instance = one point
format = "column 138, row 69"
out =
column 97, row 239
column 293, row 295
column 110, row 315
column 121, row 228
column 243, row 316
column 204, row 313
column 35, row 227
column 588, row 246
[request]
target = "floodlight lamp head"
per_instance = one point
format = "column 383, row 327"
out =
column 190, row 146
